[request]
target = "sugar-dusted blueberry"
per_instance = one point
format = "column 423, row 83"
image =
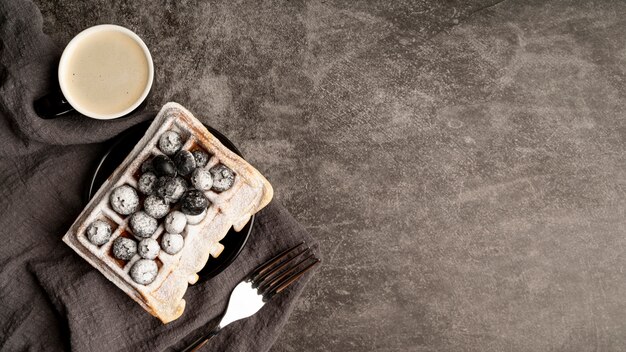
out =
column 124, row 200
column 99, row 232
column 142, row 224
column 185, row 162
column 201, row 179
column 223, row 177
column 156, row 206
column 163, row 166
column 194, row 202
column 171, row 188
column 172, row 243
column 124, row 248
column 202, row 158
column 148, row 248
column 144, row 271
column 170, row 142
column 147, row 183
column 175, row 222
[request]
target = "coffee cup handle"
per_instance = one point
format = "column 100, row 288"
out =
column 52, row 105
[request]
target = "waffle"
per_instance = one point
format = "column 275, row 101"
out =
column 163, row 298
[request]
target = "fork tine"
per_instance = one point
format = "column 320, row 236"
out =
column 280, row 285
column 268, row 264
column 279, row 273
column 271, row 273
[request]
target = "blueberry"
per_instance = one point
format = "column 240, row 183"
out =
column 156, row 206
column 147, row 183
column 142, row 224
column 171, row 188
column 185, row 162
column 201, row 179
column 201, row 157
column 124, row 200
column 170, row 142
column 144, row 271
column 223, row 177
column 163, row 166
column 148, row 248
column 99, row 232
column 175, row 222
column 124, row 248
column 172, row 243
column 194, row 202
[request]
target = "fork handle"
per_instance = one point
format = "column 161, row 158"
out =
column 201, row 341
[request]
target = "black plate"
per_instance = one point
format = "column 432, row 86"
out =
column 117, row 151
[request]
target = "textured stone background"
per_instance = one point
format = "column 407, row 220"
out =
column 462, row 163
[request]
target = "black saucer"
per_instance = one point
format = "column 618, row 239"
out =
column 117, row 151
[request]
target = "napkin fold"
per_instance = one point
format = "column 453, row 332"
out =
column 50, row 298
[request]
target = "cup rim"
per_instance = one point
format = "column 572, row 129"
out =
column 65, row 57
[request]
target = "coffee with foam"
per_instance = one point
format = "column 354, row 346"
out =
column 105, row 72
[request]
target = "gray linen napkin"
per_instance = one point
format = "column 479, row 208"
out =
column 51, row 299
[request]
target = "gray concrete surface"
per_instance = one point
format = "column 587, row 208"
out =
column 462, row 164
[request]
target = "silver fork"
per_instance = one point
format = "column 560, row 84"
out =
column 265, row 282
